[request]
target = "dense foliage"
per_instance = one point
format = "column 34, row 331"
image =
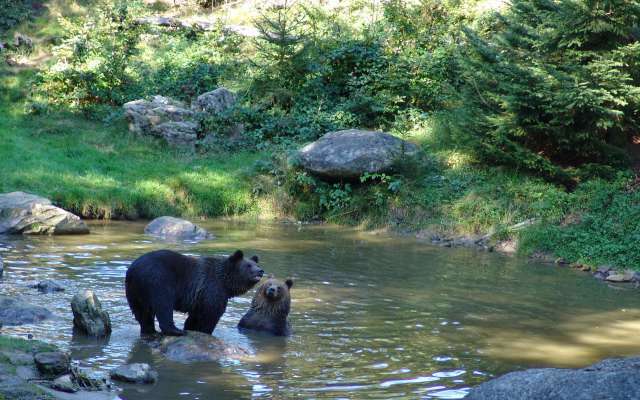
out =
column 555, row 85
column 14, row 12
column 487, row 96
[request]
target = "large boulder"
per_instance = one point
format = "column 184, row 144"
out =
column 613, row 379
column 88, row 316
column 24, row 213
column 172, row 228
column 162, row 117
column 16, row 312
column 215, row 102
column 350, row 153
column 198, row 347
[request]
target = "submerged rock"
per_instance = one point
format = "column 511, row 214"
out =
column 612, row 379
column 88, row 316
column 64, row 384
column 135, row 373
column 48, row 286
column 52, row 364
column 16, row 312
column 24, row 213
column 349, row 154
column 176, row 229
column 90, row 379
column 197, row 347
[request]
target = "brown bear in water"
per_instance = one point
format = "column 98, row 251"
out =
column 162, row 281
column 270, row 308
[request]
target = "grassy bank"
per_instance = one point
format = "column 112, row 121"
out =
column 101, row 171
column 11, row 386
column 96, row 168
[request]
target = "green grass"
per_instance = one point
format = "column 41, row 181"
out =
column 27, row 346
column 101, row 170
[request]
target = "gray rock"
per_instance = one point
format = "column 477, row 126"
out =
column 88, row 316
column 617, row 277
column 612, row 379
column 198, row 347
column 135, row 373
column 349, row 154
column 16, row 312
column 215, row 102
column 599, row 275
column 172, row 228
column 1, row 268
column 52, row 364
column 162, row 117
column 64, row 384
column 48, row 286
column 178, row 133
column 605, row 269
column 22, row 41
column 24, row 213
column 90, row 379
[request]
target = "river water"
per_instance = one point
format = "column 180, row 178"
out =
column 375, row 316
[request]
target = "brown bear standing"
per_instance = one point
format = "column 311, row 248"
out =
column 162, row 281
column 270, row 308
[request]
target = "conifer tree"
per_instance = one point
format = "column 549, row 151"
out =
column 556, row 88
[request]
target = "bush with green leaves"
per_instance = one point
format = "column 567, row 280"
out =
column 14, row 12
column 556, row 87
column 94, row 60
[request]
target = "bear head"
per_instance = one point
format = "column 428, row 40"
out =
column 273, row 296
column 245, row 273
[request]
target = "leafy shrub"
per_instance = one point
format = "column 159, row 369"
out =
column 94, row 60
column 14, row 12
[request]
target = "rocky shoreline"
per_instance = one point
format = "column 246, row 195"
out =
column 607, row 273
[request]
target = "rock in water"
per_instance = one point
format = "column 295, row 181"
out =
column 15, row 312
column 349, row 154
column 48, row 286
column 176, row 229
column 612, row 379
column 134, row 373
column 90, row 379
column 52, row 364
column 88, row 317
column 215, row 102
column 30, row 214
column 197, row 347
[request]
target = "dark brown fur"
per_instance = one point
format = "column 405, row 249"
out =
column 162, row 281
column 270, row 308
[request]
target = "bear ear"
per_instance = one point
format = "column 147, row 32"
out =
column 289, row 283
column 254, row 259
column 237, row 256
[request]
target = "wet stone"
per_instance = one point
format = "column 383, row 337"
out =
column 48, row 286
column 135, row 373
column 52, row 364
column 90, row 379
